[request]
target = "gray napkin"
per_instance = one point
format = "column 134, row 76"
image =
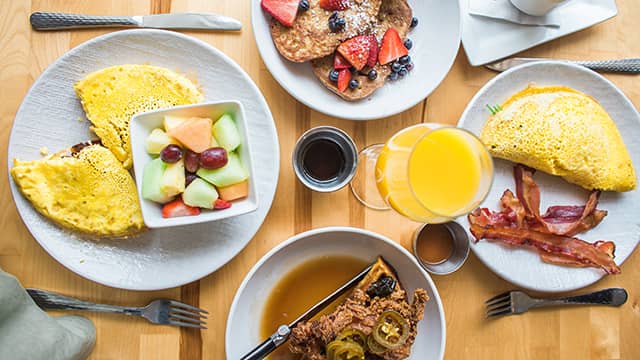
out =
column 28, row 333
column 504, row 10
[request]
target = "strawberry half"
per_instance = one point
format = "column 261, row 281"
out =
column 373, row 51
column 220, row 204
column 339, row 62
column 356, row 51
column 178, row 208
column 335, row 4
column 392, row 47
column 344, row 76
column 284, row 11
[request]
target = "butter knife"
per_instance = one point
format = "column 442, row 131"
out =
column 60, row 21
column 627, row 66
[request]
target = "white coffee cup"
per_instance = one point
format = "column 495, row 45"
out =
column 536, row 7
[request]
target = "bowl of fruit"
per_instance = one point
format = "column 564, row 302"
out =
column 192, row 164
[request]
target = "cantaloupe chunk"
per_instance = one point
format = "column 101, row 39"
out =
column 235, row 191
column 194, row 133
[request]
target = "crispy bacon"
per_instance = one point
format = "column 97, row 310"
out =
column 520, row 224
column 585, row 253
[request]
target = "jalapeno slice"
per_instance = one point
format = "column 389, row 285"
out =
column 373, row 346
column 391, row 330
column 344, row 350
column 354, row 335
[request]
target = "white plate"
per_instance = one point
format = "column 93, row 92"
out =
column 160, row 258
column 243, row 325
column 436, row 40
column 524, row 267
column 486, row 40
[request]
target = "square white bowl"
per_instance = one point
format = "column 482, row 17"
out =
column 141, row 126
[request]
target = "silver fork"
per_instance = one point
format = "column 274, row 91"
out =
column 517, row 302
column 162, row 311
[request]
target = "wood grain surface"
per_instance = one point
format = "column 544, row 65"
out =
column 577, row 333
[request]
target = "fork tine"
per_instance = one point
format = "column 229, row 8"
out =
column 187, row 306
column 499, row 313
column 497, row 297
column 498, row 303
column 185, row 324
column 188, row 319
column 500, row 307
column 186, row 312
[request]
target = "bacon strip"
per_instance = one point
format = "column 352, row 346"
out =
column 569, row 248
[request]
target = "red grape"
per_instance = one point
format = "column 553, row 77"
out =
column 171, row 154
column 191, row 161
column 189, row 178
column 213, row 158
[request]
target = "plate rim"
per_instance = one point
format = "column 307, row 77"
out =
column 15, row 192
column 461, row 123
column 330, row 229
column 353, row 116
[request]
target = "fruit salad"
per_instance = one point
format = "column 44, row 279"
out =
column 196, row 165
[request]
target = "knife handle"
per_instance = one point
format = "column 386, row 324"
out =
column 54, row 21
column 627, row 66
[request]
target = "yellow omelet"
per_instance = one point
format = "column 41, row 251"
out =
column 111, row 96
column 86, row 190
column 563, row 132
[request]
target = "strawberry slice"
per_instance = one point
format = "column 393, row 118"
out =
column 339, row 62
column 284, row 11
column 392, row 47
column 220, row 204
column 373, row 51
column 178, row 208
column 344, row 76
column 356, row 51
column 335, row 4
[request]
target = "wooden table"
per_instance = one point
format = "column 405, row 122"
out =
column 579, row 333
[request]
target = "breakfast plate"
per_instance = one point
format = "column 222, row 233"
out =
column 524, row 267
column 51, row 117
column 243, row 327
column 435, row 44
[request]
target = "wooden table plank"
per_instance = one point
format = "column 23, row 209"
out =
column 579, row 333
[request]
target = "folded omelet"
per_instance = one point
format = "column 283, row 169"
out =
column 111, row 96
column 85, row 189
column 563, row 132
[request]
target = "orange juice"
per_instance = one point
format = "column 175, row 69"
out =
column 432, row 174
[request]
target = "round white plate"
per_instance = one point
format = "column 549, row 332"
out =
column 435, row 44
column 160, row 258
column 521, row 266
column 243, row 325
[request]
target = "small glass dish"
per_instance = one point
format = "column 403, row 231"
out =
column 458, row 255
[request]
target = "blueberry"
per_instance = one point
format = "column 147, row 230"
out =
column 373, row 74
column 409, row 66
column 396, row 66
column 333, row 75
column 334, row 15
column 341, row 22
column 408, row 43
column 405, row 60
column 414, row 22
column 354, row 83
column 336, row 23
column 304, row 5
column 403, row 72
column 393, row 76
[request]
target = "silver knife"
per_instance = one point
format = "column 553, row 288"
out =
column 59, row 21
column 627, row 66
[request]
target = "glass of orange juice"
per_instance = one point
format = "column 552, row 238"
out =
column 427, row 172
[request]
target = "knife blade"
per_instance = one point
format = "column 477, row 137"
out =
column 626, row 66
column 282, row 334
column 59, row 21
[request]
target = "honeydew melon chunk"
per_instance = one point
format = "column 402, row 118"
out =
column 173, row 179
column 158, row 140
column 232, row 173
column 214, row 142
column 226, row 133
column 171, row 122
column 151, row 179
column 200, row 194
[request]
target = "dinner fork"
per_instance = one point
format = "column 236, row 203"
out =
column 161, row 311
column 517, row 302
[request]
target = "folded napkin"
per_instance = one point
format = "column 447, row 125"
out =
column 28, row 333
column 504, row 10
